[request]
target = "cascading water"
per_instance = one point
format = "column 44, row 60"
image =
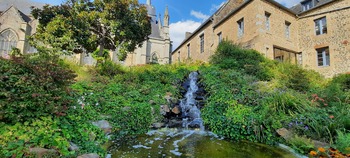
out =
column 184, row 142
column 189, row 107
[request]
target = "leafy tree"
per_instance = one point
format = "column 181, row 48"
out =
column 78, row 25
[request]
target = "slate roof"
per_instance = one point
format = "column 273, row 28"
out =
column 154, row 23
column 298, row 9
column 24, row 17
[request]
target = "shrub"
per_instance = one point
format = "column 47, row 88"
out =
column 343, row 142
column 110, row 69
column 33, row 86
column 231, row 56
column 301, row 144
column 343, row 80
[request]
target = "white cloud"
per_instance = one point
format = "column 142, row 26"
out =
column 199, row 15
column 215, row 7
column 288, row 3
column 178, row 30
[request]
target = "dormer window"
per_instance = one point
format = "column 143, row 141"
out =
column 307, row 5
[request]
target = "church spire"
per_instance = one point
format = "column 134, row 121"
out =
column 166, row 17
column 148, row 2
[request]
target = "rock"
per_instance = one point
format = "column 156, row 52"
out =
column 169, row 94
column 152, row 102
column 320, row 144
column 283, row 132
column 104, row 125
column 73, row 147
column 168, row 98
column 126, row 108
column 164, row 109
column 158, row 125
column 93, row 155
column 199, row 97
column 287, row 135
column 40, row 152
column 174, row 123
column 176, row 110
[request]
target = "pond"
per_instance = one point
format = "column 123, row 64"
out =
column 173, row 142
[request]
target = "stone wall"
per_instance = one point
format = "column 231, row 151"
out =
column 181, row 53
column 302, row 41
column 12, row 20
column 337, row 38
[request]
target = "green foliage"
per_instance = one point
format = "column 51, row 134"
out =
column 49, row 133
column 250, row 97
column 31, row 87
column 77, row 26
column 343, row 142
column 343, row 80
column 231, row 56
column 109, row 68
column 100, row 58
column 83, row 72
column 301, row 144
column 124, row 98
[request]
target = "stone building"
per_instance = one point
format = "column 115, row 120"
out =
column 16, row 27
column 157, row 48
column 314, row 33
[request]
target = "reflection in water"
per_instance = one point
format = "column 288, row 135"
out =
column 190, row 143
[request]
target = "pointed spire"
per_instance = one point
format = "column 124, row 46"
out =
column 148, row 2
column 166, row 17
column 166, row 11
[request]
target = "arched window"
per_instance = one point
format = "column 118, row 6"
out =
column 8, row 39
column 154, row 59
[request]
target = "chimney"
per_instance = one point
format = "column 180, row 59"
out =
column 188, row 34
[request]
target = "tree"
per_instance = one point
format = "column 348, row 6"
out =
column 79, row 25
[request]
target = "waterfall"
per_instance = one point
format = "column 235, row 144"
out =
column 191, row 115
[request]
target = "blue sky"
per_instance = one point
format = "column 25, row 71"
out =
column 185, row 15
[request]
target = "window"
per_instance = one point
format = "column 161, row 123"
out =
column 321, row 26
column 220, row 37
column 8, row 40
column 240, row 27
column 307, row 5
column 323, row 56
column 267, row 20
column 287, row 29
column 178, row 56
column 188, row 51
column 202, row 43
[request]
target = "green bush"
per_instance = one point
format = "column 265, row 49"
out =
column 109, row 68
column 343, row 80
column 231, row 56
column 51, row 133
column 343, row 142
column 33, row 86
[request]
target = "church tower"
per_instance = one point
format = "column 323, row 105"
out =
column 157, row 47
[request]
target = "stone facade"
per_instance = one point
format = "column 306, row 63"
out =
column 157, row 48
column 15, row 28
column 337, row 38
column 278, row 33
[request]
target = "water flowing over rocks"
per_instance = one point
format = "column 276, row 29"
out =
column 184, row 112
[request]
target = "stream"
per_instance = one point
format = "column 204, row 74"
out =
column 191, row 140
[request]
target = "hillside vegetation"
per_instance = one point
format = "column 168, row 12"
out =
column 248, row 97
